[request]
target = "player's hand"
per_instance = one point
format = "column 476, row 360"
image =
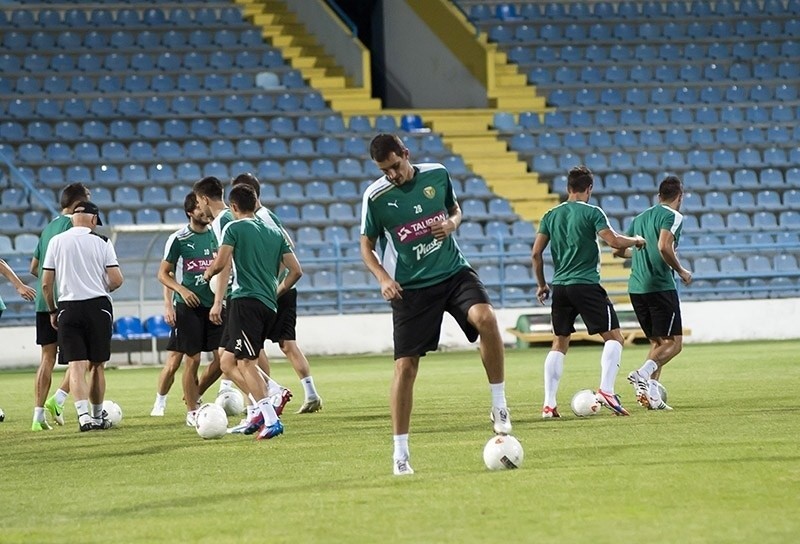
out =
column 191, row 299
column 640, row 242
column 28, row 293
column 215, row 314
column 169, row 315
column 54, row 320
column 442, row 229
column 686, row 276
column 542, row 293
column 391, row 290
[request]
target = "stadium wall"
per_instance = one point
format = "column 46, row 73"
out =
column 717, row 321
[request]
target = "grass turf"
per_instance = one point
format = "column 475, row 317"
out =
column 723, row 467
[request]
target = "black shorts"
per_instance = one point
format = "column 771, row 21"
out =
column 248, row 322
column 286, row 323
column 45, row 333
column 193, row 331
column 418, row 315
column 84, row 329
column 658, row 313
column 590, row 301
column 224, row 337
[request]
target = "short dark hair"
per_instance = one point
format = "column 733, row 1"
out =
column 579, row 179
column 383, row 145
column 248, row 179
column 189, row 204
column 72, row 194
column 670, row 188
column 244, row 197
column 209, row 187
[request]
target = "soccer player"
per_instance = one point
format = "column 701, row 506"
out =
column 210, row 192
column 571, row 229
column 46, row 335
column 284, row 332
column 84, row 265
column 653, row 290
column 27, row 293
column 412, row 209
column 188, row 252
column 257, row 252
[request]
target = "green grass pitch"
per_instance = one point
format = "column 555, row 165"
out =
column 723, row 467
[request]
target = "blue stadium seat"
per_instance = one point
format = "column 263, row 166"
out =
column 765, row 221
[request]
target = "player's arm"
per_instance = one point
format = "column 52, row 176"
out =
column 666, row 247
column 114, row 278
column 390, row 289
column 24, row 291
column 537, row 258
column 443, row 229
column 48, row 279
column 620, row 241
column 169, row 308
column 220, row 267
column 166, row 277
column 222, row 260
column 34, row 269
column 623, row 253
column 290, row 262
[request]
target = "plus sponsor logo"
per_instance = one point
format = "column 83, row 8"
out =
column 410, row 232
column 197, row 265
column 423, row 250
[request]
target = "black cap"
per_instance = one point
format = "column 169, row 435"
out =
column 88, row 207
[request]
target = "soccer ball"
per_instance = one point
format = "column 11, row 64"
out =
column 211, row 421
column 661, row 390
column 231, row 400
column 212, row 284
column 584, row 403
column 503, row 452
column 2, row 415
column 114, row 412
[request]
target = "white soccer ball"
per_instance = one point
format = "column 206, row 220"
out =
column 231, row 400
column 503, row 452
column 212, row 284
column 211, row 421
column 114, row 412
column 584, row 403
column 661, row 390
column 2, row 415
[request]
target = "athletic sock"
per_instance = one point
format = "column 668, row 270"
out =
column 268, row 411
column 309, row 389
column 82, row 407
column 498, row 391
column 251, row 411
column 648, row 368
column 161, row 400
column 401, row 446
column 553, row 369
column 97, row 411
column 61, row 396
column 273, row 387
column 225, row 384
column 38, row 414
column 609, row 365
column 652, row 390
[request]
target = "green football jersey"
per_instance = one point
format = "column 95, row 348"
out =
column 649, row 272
column 60, row 224
column 269, row 217
column 2, row 304
column 192, row 253
column 219, row 222
column 258, row 250
column 401, row 218
column 572, row 227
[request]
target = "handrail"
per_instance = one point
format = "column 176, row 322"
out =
column 343, row 16
column 27, row 184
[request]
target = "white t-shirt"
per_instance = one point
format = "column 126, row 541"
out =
column 79, row 258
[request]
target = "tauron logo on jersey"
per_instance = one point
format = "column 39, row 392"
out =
column 199, row 264
column 414, row 230
column 429, row 192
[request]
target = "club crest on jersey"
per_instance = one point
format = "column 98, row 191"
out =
column 429, row 192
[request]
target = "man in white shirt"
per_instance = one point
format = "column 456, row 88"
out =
column 84, row 264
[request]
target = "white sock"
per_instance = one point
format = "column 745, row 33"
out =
column 652, row 390
column 648, row 368
column 161, row 400
column 96, row 410
column 498, row 394
column 225, row 384
column 61, row 396
column 273, row 387
column 251, row 411
column 38, row 414
column 401, row 446
column 609, row 365
column 268, row 411
column 309, row 389
column 82, row 407
column 553, row 369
